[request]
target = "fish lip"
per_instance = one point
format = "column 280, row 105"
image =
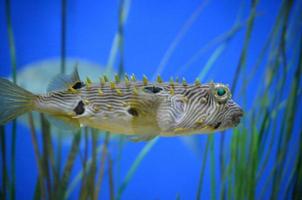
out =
column 217, row 125
column 237, row 117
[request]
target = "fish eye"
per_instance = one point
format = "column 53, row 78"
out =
column 220, row 91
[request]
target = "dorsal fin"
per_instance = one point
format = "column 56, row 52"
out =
column 63, row 82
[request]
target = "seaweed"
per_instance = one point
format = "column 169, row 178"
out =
column 102, row 167
column 202, row 170
column 63, row 35
column 183, row 30
column 270, row 130
column 12, row 51
column 3, row 191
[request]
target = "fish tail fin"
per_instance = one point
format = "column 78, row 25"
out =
column 14, row 101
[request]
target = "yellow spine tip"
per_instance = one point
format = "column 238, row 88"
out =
column 197, row 82
column 72, row 90
column 127, row 82
column 88, row 80
column 102, row 81
column 105, row 78
column 126, row 77
column 159, row 79
column 112, row 85
column 118, row 91
column 96, row 108
column 184, row 82
column 199, row 122
column 145, row 80
column 172, row 92
column 135, row 91
column 133, row 78
column 100, row 92
column 117, row 78
column 171, row 81
column 125, row 104
column 86, row 101
column 109, row 106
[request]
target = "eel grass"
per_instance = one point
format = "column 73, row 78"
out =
column 270, row 130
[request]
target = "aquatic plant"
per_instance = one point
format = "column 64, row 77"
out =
column 9, row 181
column 270, row 133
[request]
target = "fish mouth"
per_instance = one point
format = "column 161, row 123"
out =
column 217, row 125
column 236, row 118
column 233, row 121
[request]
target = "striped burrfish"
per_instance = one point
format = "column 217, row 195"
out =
column 141, row 108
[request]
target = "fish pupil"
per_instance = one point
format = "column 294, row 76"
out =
column 221, row 91
column 78, row 85
column 79, row 109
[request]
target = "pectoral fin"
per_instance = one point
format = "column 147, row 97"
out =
column 64, row 123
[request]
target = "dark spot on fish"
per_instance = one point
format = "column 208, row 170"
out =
column 78, row 85
column 217, row 125
column 152, row 89
column 133, row 112
column 79, row 109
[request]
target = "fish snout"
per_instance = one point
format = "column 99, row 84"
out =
column 237, row 115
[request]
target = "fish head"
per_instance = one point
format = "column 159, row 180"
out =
column 210, row 108
column 222, row 111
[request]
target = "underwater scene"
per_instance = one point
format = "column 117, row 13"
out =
column 132, row 100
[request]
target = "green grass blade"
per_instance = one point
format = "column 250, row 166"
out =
column 77, row 178
column 118, row 38
column 243, row 55
column 63, row 35
column 37, row 193
column 47, row 153
column 4, row 168
column 84, row 184
column 93, row 169
column 297, row 183
column 69, row 164
column 218, row 51
column 212, row 167
column 202, row 169
column 221, row 39
column 184, row 29
column 37, row 156
column 12, row 51
column 102, row 167
column 111, row 178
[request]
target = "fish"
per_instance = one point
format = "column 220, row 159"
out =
column 143, row 108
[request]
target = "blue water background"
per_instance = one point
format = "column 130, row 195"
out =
column 171, row 167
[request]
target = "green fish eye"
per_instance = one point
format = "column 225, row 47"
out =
column 221, row 91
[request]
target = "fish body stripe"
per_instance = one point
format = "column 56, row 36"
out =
column 187, row 107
